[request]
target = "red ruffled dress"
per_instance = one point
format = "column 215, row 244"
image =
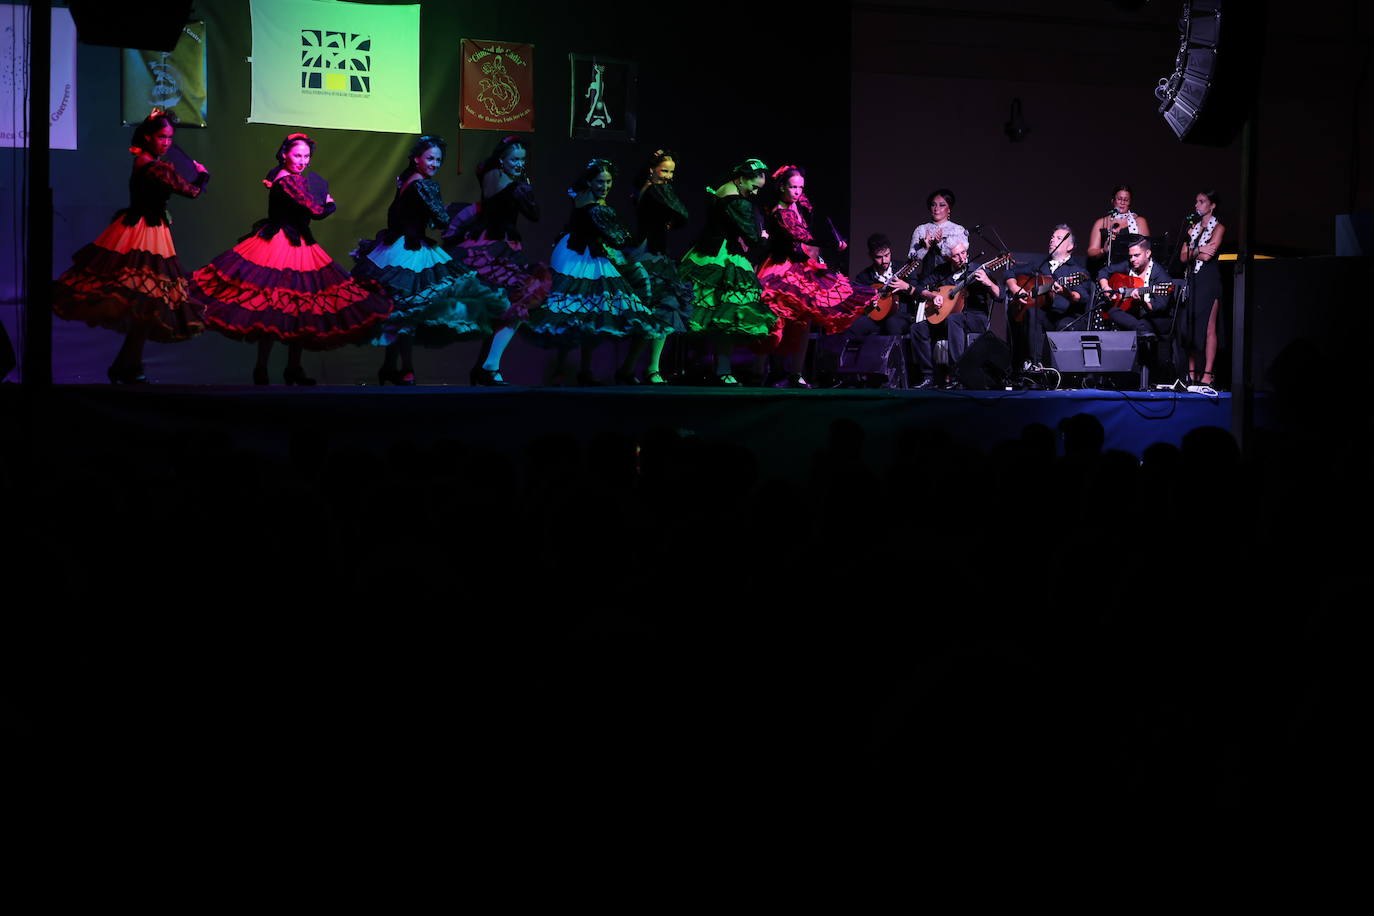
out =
column 798, row 286
column 278, row 283
column 485, row 239
column 130, row 275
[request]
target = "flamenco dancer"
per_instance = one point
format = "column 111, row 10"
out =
column 485, row 238
column 726, row 296
column 797, row 284
column 438, row 300
column 660, row 211
column 277, row 283
column 597, row 293
column 129, row 279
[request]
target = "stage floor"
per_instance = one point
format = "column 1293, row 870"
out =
column 780, row 426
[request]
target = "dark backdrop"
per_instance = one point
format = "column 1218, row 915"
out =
column 933, row 86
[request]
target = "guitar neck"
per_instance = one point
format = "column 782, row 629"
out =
column 995, row 264
column 1159, row 289
column 901, row 274
column 1066, row 282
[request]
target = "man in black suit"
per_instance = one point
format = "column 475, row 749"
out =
column 881, row 271
column 1148, row 313
column 1068, row 299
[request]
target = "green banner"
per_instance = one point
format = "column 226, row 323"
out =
column 352, row 66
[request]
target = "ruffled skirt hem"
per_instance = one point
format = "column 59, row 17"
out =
column 438, row 300
column 249, row 295
column 808, row 291
column 130, row 279
column 598, row 304
column 670, row 298
column 503, row 266
column 725, row 296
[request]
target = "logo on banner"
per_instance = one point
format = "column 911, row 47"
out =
column 165, row 92
column 499, row 93
column 336, row 62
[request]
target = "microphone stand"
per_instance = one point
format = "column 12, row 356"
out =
column 1184, row 290
column 996, row 241
column 1184, row 228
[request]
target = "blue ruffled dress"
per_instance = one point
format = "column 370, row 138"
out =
column 438, row 300
column 597, row 292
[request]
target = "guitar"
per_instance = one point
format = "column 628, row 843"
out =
column 953, row 294
column 886, row 296
column 1037, row 291
column 1120, row 287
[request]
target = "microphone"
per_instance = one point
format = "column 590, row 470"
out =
column 1192, row 217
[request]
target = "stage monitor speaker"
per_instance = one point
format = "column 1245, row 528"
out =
column 1093, row 352
column 985, row 364
column 149, row 25
column 871, row 356
column 1216, row 71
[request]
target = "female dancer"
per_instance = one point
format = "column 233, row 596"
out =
column 1119, row 222
column 726, row 303
column 797, row 284
column 438, row 300
column 931, row 242
column 660, row 210
column 597, row 293
column 1198, row 322
column 278, row 284
column 129, row 279
column 485, row 239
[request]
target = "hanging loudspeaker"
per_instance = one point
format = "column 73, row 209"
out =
column 1216, row 70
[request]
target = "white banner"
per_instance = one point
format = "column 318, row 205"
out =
column 14, row 75
column 352, row 66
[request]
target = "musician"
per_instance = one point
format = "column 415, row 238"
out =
column 876, row 276
column 1151, row 314
column 1121, row 222
column 1068, row 299
column 931, row 242
column 979, row 294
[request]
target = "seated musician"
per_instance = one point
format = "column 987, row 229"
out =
column 1063, row 303
column 876, row 276
column 979, row 294
column 1140, row 308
